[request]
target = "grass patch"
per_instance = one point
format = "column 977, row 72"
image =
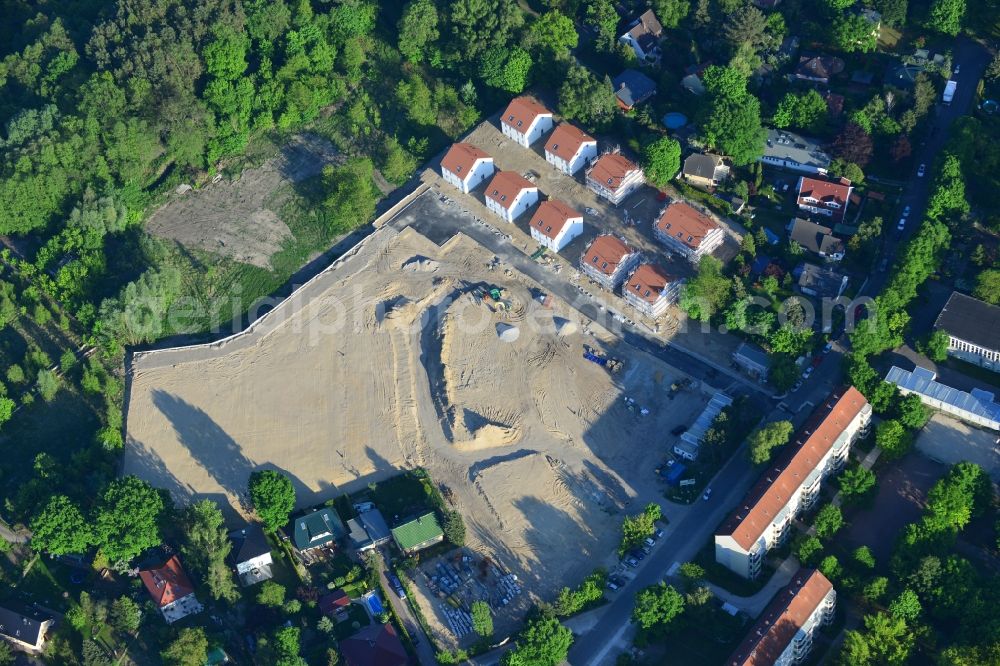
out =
column 355, row 613
column 719, row 575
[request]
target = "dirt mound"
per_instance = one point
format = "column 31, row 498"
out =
column 564, row 327
column 508, row 333
column 420, row 264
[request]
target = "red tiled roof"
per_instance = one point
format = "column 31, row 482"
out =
column 551, row 217
column 505, row 187
column 461, row 157
column 605, row 253
column 611, row 169
column 522, row 112
column 167, row 583
column 330, row 603
column 566, row 140
column 685, row 223
column 824, row 191
column 648, row 282
column 375, row 645
column 781, row 620
column 813, row 441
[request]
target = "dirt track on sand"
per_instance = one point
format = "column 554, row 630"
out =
column 388, row 360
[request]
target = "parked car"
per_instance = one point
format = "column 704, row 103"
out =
column 796, row 386
column 827, row 347
column 921, row 170
column 902, row 224
column 809, row 371
column 659, row 533
column 617, row 580
column 631, row 561
column 707, row 494
column 957, row 69
column 883, row 264
column 906, row 212
column 612, row 585
column 650, row 542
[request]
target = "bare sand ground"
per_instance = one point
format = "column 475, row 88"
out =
column 239, row 219
column 388, row 360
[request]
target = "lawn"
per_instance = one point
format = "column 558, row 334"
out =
column 355, row 614
column 703, row 641
column 404, row 495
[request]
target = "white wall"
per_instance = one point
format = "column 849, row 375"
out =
column 481, row 170
column 571, row 230
column 533, row 133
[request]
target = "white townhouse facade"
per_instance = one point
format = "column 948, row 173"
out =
column 689, row 232
column 525, row 120
column 465, row 166
column 650, row 290
column 510, row 194
column 569, row 149
column 791, row 484
column 554, row 225
column 614, row 177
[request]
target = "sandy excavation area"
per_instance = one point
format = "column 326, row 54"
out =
column 389, row 360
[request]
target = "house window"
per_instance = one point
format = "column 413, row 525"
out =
column 555, row 146
column 458, row 169
column 604, row 266
column 609, row 181
column 548, row 230
column 647, row 293
column 503, row 197
column 519, row 123
column 595, row 259
column 510, row 119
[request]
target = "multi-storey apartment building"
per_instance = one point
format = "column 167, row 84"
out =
column 783, row 634
column 791, row 484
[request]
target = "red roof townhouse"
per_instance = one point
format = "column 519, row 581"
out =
column 687, row 231
column 554, row 225
column 614, row 177
column 608, row 260
column 650, row 289
column 525, row 120
column 465, row 166
column 825, row 197
column 509, row 194
column 569, row 148
column 171, row 590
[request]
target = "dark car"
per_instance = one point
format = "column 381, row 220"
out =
column 679, row 430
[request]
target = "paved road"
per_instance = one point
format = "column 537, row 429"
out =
column 972, row 58
column 425, row 653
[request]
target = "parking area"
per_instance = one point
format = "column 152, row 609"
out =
column 447, row 586
column 949, row 441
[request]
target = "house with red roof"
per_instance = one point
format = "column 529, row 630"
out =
column 554, row 225
column 525, row 120
column 335, row 604
column 375, row 645
column 689, row 232
column 465, row 166
column 509, row 194
column 650, row 290
column 783, row 634
column 614, row 177
column 791, row 484
column 825, row 197
column 171, row 590
column 569, row 148
column 608, row 260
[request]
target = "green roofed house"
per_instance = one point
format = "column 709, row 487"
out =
column 418, row 534
column 317, row 529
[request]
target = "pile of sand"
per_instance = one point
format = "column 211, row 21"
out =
column 420, row 264
column 508, row 333
column 564, row 327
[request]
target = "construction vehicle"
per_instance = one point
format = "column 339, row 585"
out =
column 610, row 364
column 493, row 297
column 678, row 386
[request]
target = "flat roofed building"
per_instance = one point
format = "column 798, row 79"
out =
column 825, row 197
column 689, row 445
column 687, row 231
column 614, row 177
column 783, row 634
column 977, row 406
column 791, row 484
column 171, row 590
column 24, row 628
column 650, row 290
column 419, row 533
column 608, row 260
column 554, row 225
column 569, row 148
column 794, row 152
column 509, row 194
column 465, row 166
column 973, row 329
column 525, row 120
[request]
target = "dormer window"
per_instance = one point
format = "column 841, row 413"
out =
column 604, row 266
column 548, row 230
column 595, row 259
column 609, row 181
column 648, row 292
column 458, row 169
column 555, row 146
column 519, row 123
column 510, row 119
column 503, row 197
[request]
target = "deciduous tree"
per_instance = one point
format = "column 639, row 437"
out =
column 128, row 518
column 273, row 497
column 769, row 437
column 190, row 648
column 482, row 619
column 661, row 160
column 585, row 98
column 206, row 546
column 418, row 29
column 60, row 528
column 657, row 604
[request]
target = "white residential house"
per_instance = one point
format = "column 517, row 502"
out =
column 251, row 555
column 554, row 225
column 24, row 629
column 643, row 36
column 614, row 177
column 650, row 290
column 525, row 120
column 510, row 194
column 689, row 232
column 569, row 148
column 608, row 260
column 791, row 484
column 171, row 590
column 466, row 166
column 783, row 634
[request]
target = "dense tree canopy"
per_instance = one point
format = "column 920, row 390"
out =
column 60, row 528
column 661, row 160
column 764, row 440
column 128, row 518
column 731, row 117
column 657, row 604
column 273, row 497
